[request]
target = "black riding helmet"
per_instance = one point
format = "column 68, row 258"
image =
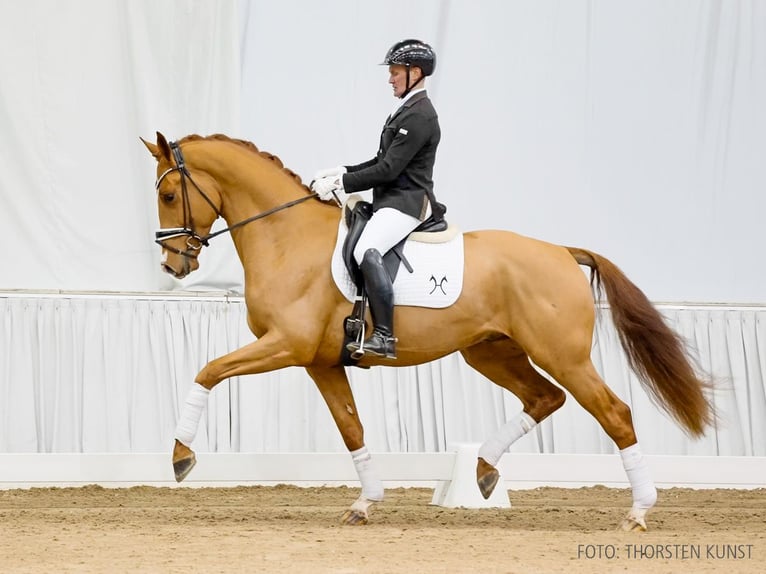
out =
column 410, row 53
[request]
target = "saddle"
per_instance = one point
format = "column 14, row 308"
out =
column 357, row 214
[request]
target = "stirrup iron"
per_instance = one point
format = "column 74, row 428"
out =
column 357, row 354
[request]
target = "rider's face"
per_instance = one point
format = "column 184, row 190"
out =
column 397, row 77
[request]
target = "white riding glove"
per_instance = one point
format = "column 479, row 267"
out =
column 325, row 187
column 330, row 172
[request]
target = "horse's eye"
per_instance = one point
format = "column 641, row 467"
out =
column 168, row 197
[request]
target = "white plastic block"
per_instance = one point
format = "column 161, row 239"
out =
column 461, row 491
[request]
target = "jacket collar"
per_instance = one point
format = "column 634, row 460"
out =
column 407, row 103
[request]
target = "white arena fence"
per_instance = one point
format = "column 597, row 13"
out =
column 91, row 385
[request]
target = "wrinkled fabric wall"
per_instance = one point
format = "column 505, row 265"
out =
column 110, row 374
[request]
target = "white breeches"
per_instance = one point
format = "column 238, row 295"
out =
column 386, row 228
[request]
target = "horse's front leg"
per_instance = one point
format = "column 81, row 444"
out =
column 268, row 353
column 333, row 385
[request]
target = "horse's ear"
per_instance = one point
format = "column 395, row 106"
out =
column 162, row 143
column 153, row 149
column 162, row 149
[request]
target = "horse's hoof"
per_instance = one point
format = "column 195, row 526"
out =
column 488, row 482
column 354, row 518
column 486, row 477
column 630, row 524
column 635, row 521
column 183, row 467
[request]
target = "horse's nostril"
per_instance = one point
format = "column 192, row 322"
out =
column 168, row 269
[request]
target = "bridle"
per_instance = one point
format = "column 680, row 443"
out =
column 195, row 241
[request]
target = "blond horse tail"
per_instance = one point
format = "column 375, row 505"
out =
column 656, row 353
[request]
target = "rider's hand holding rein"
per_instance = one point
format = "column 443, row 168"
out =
column 326, row 186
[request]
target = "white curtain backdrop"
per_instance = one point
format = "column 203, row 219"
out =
column 635, row 128
column 82, row 81
column 109, row 374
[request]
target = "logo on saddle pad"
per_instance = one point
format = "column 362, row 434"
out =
column 439, row 285
column 436, row 259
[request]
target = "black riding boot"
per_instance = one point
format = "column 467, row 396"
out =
column 380, row 293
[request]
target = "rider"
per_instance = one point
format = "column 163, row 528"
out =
column 400, row 176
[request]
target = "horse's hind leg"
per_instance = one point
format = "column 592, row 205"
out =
column 589, row 389
column 506, row 364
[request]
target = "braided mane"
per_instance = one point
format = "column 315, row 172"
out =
column 252, row 147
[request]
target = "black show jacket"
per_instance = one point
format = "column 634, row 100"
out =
column 401, row 174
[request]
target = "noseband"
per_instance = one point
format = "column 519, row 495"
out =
column 195, row 241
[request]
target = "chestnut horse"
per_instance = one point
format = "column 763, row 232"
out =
column 522, row 300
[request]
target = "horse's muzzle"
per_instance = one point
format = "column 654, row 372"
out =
column 170, row 271
column 180, row 267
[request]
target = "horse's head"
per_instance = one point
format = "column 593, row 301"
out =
column 186, row 211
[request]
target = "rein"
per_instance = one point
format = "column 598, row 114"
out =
column 259, row 216
column 188, row 230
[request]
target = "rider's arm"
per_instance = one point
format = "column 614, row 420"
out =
column 411, row 135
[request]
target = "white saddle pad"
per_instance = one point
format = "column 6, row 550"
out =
column 437, row 271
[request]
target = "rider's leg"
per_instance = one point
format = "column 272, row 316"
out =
column 386, row 228
column 380, row 294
